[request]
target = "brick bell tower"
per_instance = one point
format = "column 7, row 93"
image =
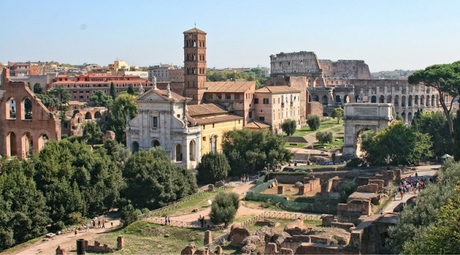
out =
column 195, row 64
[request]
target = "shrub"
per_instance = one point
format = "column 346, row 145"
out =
column 313, row 122
column 354, row 162
column 213, row 167
column 324, row 137
column 224, row 208
column 289, row 127
column 346, row 189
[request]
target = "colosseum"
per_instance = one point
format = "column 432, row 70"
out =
column 333, row 83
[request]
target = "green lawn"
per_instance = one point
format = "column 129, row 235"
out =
column 299, row 145
column 335, row 144
column 325, row 124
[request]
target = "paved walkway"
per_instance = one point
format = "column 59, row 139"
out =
column 423, row 172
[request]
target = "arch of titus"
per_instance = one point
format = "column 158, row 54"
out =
column 360, row 116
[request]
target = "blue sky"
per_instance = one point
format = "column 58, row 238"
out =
column 387, row 35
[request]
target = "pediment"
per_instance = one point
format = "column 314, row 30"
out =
column 152, row 95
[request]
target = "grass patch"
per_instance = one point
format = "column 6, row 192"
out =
column 299, row 145
column 335, row 144
column 147, row 238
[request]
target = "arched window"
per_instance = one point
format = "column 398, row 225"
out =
column 42, row 140
column 381, row 99
column 192, row 149
column 97, row 115
column 409, row 117
column 396, row 102
column 338, row 100
column 346, row 99
column 325, row 100
column 403, row 101
column 409, row 103
column 316, row 98
column 178, row 153
column 12, row 149
column 88, row 116
column 135, row 146
column 214, row 143
column 422, row 100
column 433, row 101
column 11, row 109
column 26, row 109
column 373, row 99
column 416, row 100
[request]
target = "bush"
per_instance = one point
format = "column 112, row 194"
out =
column 129, row 214
column 313, row 122
column 354, row 162
column 324, row 137
column 289, row 127
column 346, row 189
column 224, row 208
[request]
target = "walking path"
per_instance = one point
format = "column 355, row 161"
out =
column 66, row 241
column 423, row 172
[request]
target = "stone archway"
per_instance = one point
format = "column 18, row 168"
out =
column 361, row 116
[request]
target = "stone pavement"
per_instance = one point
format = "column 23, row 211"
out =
column 423, row 172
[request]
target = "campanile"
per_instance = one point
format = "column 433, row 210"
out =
column 195, row 64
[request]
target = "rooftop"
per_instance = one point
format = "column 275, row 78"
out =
column 277, row 89
column 230, row 86
column 204, row 109
column 195, row 30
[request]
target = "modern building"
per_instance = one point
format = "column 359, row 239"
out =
column 166, row 73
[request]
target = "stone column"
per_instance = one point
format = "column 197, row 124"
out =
column 81, row 247
column 280, row 189
column 207, row 237
column 120, row 242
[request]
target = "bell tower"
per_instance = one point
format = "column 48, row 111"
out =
column 195, row 64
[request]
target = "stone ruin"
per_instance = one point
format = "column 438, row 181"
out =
column 83, row 246
column 108, row 135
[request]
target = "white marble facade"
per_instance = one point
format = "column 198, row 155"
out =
column 161, row 121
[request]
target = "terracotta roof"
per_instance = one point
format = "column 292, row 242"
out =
column 277, row 89
column 204, row 109
column 229, row 86
column 257, row 124
column 163, row 93
column 100, row 82
column 195, row 30
column 209, row 120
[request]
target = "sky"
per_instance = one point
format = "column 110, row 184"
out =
column 387, row 35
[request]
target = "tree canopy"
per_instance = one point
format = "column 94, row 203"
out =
column 289, row 127
column 101, row 99
column 445, row 79
column 123, row 107
column 337, row 113
column 398, row 143
column 213, row 167
column 248, row 150
column 224, row 208
column 324, row 137
column 313, row 121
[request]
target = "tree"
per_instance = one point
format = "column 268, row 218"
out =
column 62, row 94
column 346, row 189
column 122, row 108
column 445, row 79
column 289, row 127
column 248, row 150
column 444, row 236
column 92, row 133
column 101, row 99
column 324, row 137
column 113, row 93
column 337, row 113
column 398, row 143
column 313, row 122
column 415, row 220
column 38, row 89
column 213, row 167
column 399, row 117
column 152, row 181
column 224, row 208
column 131, row 89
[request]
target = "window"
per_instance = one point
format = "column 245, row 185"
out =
column 219, row 96
column 236, row 96
column 155, row 122
column 256, row 101
column 228, row 96
column 266, row 101
column 262, row 118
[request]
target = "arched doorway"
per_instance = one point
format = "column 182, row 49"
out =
column 396, row 102
column 416, row 100
column 325, row 100
column 27, row 144
column 338, row 100
column 373, row 99
column 42, row 140
column 381, row 99
column 135, row 146
column 192, row 149
column 316, row 98
column 403, row 115
column 346, row 99
column 409, row 103
column 409, row 117
column 178, row 153
column 403, row 101
column 97, row 115
column 12, row 146
column 389, row 99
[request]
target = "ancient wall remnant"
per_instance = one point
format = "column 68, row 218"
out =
column 25, row 123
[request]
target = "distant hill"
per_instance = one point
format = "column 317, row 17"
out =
column 396, row 74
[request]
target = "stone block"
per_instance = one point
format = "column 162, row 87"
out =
column 207, row 237
column 237, row 235
column 280, row 189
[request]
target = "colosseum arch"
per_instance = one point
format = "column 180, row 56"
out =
column 403, row 101
column 416, row 100
column 88, row 116
column 374, row 99
column 97, row 115
column 361, row 116
column 409, row 102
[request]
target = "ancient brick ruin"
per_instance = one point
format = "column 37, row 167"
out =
column 25, row 123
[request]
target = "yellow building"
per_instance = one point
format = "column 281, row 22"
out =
column 214, row 122
column 120, row 65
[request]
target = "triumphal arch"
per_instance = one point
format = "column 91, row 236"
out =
column 362, row 116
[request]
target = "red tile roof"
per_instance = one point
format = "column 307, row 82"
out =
column 277, row 89
column 229, row 86
column 205, row 109
column 195, row 30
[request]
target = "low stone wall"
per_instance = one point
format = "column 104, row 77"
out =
column 351, row 211
column 373, row 188
column 316, row 248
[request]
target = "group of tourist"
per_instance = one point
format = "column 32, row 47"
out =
column 167, row 220
column 244, row 178
column 202, row 221
column 410, row 185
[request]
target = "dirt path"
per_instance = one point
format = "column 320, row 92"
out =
column 311, row 139
column 66, row 241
